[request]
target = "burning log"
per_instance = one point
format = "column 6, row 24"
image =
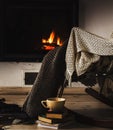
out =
column 48, row 46
column 52, row 44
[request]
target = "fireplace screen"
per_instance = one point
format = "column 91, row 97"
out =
column 28, row 26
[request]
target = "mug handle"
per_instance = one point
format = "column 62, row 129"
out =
column 43, row 102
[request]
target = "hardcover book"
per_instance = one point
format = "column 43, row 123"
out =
column 48, row 120
column 67, row 121
column 48, row 125
column 55, row 115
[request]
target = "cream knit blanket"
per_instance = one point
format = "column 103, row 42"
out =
column 83, row 49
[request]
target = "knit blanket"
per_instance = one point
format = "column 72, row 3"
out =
column 48, row 82
column 83, row 53
column 84, row 49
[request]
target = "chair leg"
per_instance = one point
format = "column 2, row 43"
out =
column 101, row 80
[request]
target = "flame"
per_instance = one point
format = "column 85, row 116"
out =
column 51, row 38
column 59, row 42
column 50, row 41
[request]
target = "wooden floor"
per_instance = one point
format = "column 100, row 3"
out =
column 76, row 100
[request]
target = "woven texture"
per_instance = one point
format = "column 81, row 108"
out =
column 48, row 81
column 83, row 49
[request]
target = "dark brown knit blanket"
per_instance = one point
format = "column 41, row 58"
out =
column 49, row 80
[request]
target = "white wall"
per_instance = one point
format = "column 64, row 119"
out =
column 13, row 73
column 96, row 16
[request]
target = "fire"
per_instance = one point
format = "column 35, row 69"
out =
column 59, row 42
column 50, row 43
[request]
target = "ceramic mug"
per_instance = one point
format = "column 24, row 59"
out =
column 55, row 104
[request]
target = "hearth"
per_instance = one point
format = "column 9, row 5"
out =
column 25, row 23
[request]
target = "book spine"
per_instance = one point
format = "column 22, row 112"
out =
column 45, row 119
column 55, row 116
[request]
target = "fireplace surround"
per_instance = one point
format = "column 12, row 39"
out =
column 25, row 22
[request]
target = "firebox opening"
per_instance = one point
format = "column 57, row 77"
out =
column 25, row 22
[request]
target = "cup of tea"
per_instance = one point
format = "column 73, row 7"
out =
column 54, row 104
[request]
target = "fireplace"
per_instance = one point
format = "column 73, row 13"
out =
column 24, row 23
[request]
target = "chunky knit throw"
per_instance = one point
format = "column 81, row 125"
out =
column 85, row 48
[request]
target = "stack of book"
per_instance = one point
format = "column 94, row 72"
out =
column 56, row 120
